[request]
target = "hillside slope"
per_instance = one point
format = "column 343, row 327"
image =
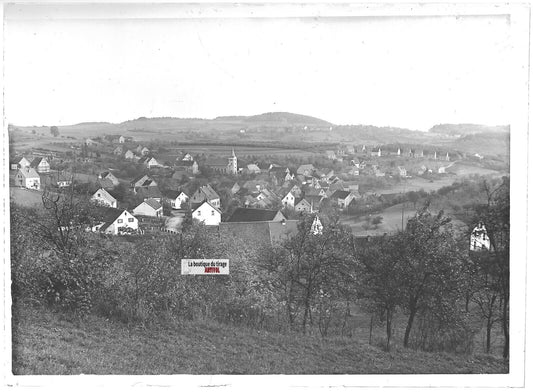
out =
column 467, row 129
column 49, row 343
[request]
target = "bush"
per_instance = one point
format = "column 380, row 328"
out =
column 453, row 333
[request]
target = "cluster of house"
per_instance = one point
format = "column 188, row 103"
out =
column 254, row 223
column 35, row 174
column 356, row 156
column 302, row 190
column 379, row 151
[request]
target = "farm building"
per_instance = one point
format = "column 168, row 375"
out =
column 28, row 178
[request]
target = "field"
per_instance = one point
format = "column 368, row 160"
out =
column 46, row 343
column 392, row 220
column 25, row 197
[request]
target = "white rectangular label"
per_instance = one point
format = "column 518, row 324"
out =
column 204, row 266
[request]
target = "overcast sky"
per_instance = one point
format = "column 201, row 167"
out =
column 410, row 72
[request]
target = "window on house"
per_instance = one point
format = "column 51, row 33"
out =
column 130, row 219
column 212, row 212
column 199, row 212
column 120, row 221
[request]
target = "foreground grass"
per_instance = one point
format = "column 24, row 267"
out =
column 50, row 343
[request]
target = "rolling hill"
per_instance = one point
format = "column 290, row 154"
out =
column 468, row 129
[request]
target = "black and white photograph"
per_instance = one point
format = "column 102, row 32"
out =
column 217, row 189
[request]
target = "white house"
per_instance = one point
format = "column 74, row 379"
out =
column 118, row 222
column 19, row 163
column 41, row 164
column 129, row 154
column 149, row 162
column 479, row 239
column 287, row 200
column 121, row 139
column 176, row 199
column 303, row 206
column 28, row 178
column 343, row 198
column 208, row 214
column 101, row 196
column 149, row 207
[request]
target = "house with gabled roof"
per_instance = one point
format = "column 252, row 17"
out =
column 186, row 157
column 149, row 207
column 149, row 162
column 176, row 199
column 117, row 222
column 287, row 198
column 342, row 198
column 103, row 197
column 303, row 205
column 41, row 165
column 255, row 215
column 28, row 177
column 19, row 163
column 111, row 179
column 143, row 180
column 129, row 154
column 118, row 150
column 205, row 193
column 208, row 214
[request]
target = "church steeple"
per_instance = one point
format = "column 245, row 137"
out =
column 232, row 164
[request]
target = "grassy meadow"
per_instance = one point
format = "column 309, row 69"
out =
column 46, row 343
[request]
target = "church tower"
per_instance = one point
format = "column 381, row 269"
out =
column 232, row 163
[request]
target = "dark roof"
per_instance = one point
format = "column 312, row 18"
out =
column 172, row 194
column 340, row 194
column 36, row 161
column 259, row 233
column 109, row 215
column 210, row 192
column 252, row 215
column 138, row 178
column 149, row 191
column 153, row 203
column 105, row 183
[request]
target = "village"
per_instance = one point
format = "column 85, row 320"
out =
column 142, row 187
